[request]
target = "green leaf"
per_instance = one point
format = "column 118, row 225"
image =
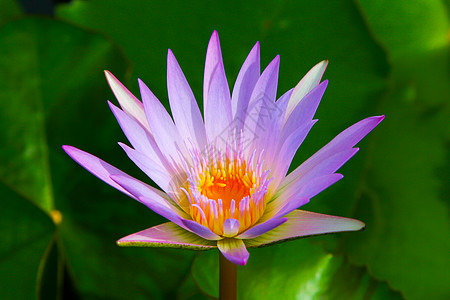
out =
column 356, row 73
column 8, row 10
column 395, row 184
column 53, row 92
column 400, row 192
column 190, row 291
column 50, row 281
column 295, row 270
column 415, row 37
column 25, row 235
column 401, row 203
column 302, row 34
column 24, row 152
column 407, row 29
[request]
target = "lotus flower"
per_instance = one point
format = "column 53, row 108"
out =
column 224, row 177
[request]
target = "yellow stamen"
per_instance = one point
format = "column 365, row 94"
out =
column 221, row 188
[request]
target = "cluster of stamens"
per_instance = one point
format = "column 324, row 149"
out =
column 224, row 185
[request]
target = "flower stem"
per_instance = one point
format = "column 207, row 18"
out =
column 227, row 279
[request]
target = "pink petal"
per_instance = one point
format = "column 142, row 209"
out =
column 129, row 103
column 311, row 79
column 185, row 111
column 200, row 230
column 166, row 235
column 97, row 167
column 230, row 227
column 245, row 82
column 164, row 130
column 261, row 228
column 234, row 250
column 304, row 223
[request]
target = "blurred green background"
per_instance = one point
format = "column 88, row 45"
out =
column 59, row 224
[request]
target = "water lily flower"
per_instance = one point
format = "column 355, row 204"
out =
column 224, row 176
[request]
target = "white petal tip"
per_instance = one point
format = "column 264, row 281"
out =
column 112, row 80
column 359, row 225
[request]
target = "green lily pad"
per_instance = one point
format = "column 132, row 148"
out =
column 53, row 92
column 25, row 234
column 400, row 194
column 9, row 9
column 295, row 270
column 407, row 29
column 356, row 74
column 400, row 199
column 395, row 184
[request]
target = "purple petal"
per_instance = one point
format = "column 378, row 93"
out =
column 164, row 209
column 304, row 223
column 153, row 200
column 129, row 103
column 342, row 142
column 304, row 112
column 213, row 58
column 200, row 230
column 285, row 154
column 218, row 109
column 294, row 197
column 245, row 82
column 261, row 228
column 166, row 235
column 230, row 227
column 234, row 250
column 266, row 86
column 145, row 193
column 185, row 111
column 164, row 131
column 97, row 167
column 275, row 128
column 321, row 168
column 311, row 79
column 262, row 108
column 161, row 177
column 275, row 210
column 140, row 139
column 327, row 166
column 292, row 135
column 318, row 184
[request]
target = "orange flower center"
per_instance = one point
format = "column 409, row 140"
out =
column 225, row 187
